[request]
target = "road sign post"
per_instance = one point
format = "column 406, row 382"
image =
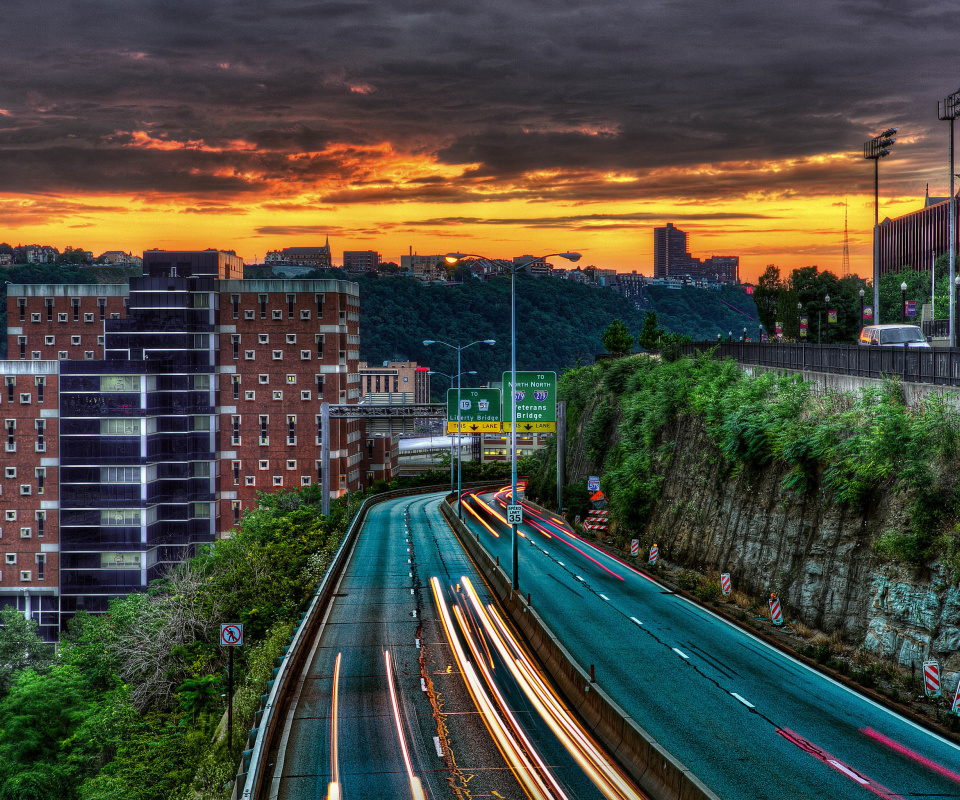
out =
column 231, row 635
column 536, row 398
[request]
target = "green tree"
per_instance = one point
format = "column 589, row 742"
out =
column 918, row 290
column 20, row 647
column 617, row 338
column 651, row 332
column 766, row 295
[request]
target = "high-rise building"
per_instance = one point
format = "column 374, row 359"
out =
column 195, row 390
column 671, row 259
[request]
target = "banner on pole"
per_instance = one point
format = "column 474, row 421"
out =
column 832, row 316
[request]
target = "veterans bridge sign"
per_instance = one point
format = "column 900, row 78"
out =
column 536, row 394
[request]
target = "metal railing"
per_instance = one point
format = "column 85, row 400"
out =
column 919, row 365
column 939, row 328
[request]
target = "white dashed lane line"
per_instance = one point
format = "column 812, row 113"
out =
column 636, row 620
column 747, row 703
column 681, row 654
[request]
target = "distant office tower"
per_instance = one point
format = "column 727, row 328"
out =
column 360, row 260
column 142, row 420
column 671, row 259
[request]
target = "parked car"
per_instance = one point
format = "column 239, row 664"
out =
column 893, row 336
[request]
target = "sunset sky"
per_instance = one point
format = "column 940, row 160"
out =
column 503, row 128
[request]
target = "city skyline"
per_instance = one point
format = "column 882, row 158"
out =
column 470, row 127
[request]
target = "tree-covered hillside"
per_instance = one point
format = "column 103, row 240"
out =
column 558, row 322
column 701, row 314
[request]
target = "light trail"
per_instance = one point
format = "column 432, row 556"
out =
column 605, row 775
column 333, row 790
column 523, row 770
column 505, row 709
column 416, row 789
column 481, row 521
column 906, row 751
column 834, row 763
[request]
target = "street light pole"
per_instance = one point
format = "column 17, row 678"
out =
column 903, row 303
column 459, row 348
column 451, row 378
column 861, row 307
column 453, row 258
column 875, row 149
column 948, row 109
column 826, row 310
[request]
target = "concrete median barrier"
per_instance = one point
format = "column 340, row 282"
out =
column 654, row 770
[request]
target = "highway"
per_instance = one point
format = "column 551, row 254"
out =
column 407, row 591
column 750, row 721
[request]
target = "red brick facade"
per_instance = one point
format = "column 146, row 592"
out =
column 58, row 322
column 28, row 482
column 285, row 347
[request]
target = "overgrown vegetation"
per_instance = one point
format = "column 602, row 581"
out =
column 851, row 446
column 131, row 706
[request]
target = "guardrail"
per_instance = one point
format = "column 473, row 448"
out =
column 654, row 769
column 939, row 366
column 268, row 719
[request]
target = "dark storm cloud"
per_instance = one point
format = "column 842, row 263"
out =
column 568, row 90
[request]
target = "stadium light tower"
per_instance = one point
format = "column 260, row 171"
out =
column 876, row 148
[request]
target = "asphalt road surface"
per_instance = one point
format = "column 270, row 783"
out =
column 750, row 721
column 385, row 602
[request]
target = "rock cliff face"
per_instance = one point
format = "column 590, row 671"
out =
column 816, row 554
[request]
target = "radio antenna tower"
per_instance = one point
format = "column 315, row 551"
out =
column 845, row 262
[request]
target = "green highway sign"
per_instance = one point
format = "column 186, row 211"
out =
column 536, row 394
column 479, row 411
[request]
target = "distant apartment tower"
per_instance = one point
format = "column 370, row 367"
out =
column 360, row 260
column 538, row 267
column 672, row 259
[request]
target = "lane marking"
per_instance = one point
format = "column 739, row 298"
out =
column 636, row 620
column 578, row 578
column 747, row 703
column 436, row 743
column 423, row 684
column 605, row 597
column 847, row 771
column 561, row 564
column 775, row 653
column 681, row 653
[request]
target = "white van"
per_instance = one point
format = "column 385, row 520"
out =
column 893, row 336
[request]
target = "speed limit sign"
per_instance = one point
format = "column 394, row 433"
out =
column 515, row 514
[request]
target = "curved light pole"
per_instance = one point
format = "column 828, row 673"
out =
column 949, row 109
column 453, row 258
column 459, row 349
column 452, row 378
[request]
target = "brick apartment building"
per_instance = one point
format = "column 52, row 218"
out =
column 141, row 420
